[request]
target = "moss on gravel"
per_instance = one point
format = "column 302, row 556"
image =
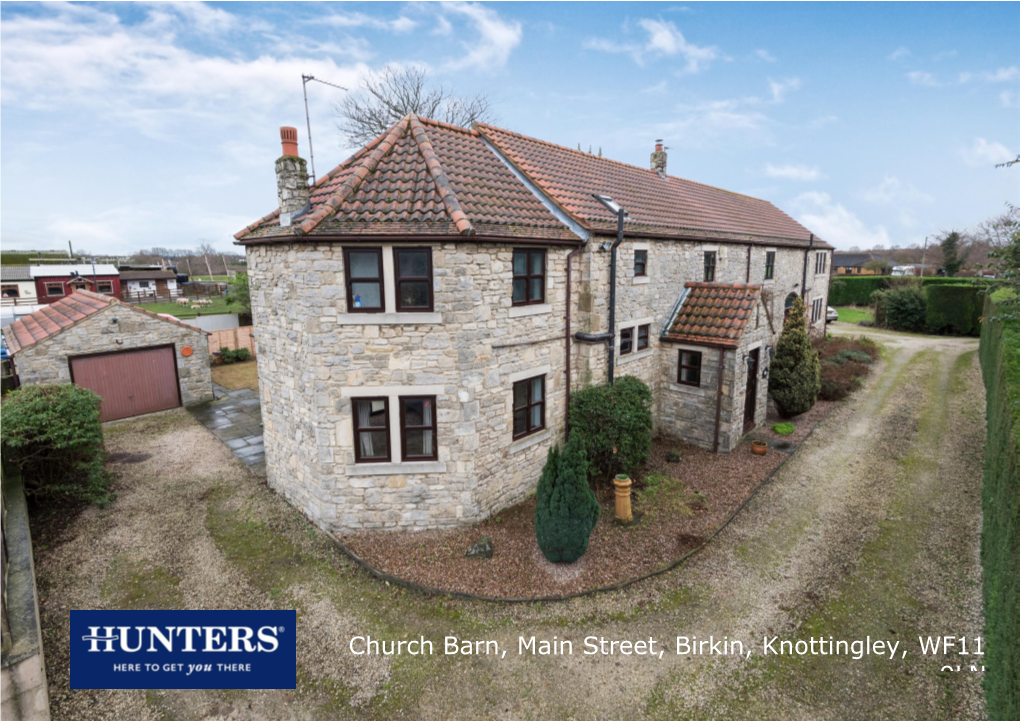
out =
column 132, row 584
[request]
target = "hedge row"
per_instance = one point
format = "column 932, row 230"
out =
column 955, row 309
column 1000, row 534
column 857, row 290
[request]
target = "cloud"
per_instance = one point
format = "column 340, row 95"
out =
column 792, row 172
column 1009, row 99
column 900, row 52
column 1002, row 75
column 893, row 191
column 834, row 223
column 780, row 88
column 985, row 153
column 918, row 77
column 944, row 54
column 765, row 55
column 496, row 38
column 656, row 89
column 399, row 25
column 664, row 40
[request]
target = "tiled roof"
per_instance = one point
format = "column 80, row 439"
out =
column 15, row 273
column 713, row 313
column 421, row 177
column 655, row 205
column 55, row 317
column 147, row 275
column 851, row 260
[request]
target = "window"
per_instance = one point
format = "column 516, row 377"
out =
column 642, row 337
column 10, row 291
column 709, row 266
column 413, row 268
column 53, row 289
column 371, row 430
column 690, row 368
column 626, row 340
column 418, row 429
column 640, row 263
column 104, row 286
column 529, row 406
column 817, row 309
column 820, row 262
column 770, row 264
column 143, row 284
column 364, row 280
column 529, row 277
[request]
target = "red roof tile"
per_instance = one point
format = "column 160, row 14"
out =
column 55, row 317
column 713, row 313
column 657, row 205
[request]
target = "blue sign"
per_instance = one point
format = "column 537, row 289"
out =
column 184, row 649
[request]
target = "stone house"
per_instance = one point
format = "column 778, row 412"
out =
column 423, row 311
column 137, row 361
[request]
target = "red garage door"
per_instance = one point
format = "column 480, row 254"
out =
column 131, row 382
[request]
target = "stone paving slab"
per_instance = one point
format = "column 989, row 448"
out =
column 235, row 418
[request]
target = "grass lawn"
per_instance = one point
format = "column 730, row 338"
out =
column 219, row 305
column 236, row 376
column 211, row 277
column 853, row 314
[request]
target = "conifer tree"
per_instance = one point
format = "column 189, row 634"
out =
column 794, row 380
column 566, row 510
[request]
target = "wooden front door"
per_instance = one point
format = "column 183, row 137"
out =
column 751, row 395
column 130, row 382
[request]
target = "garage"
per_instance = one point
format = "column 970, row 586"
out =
column 136, row 361
column 130, row 382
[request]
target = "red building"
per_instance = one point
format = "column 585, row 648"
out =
column 53, row 282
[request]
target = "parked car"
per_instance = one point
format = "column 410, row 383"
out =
column 831, row 314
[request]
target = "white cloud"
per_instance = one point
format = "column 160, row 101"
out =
column 792, row 172
column 892, row 191
column 834, row 223
column 664, row 40
column 765, row 55
column 656, row 89
column 780, row 88
column 496, row 38
column 400, row 25
column 1002, row 75
column 1009, row 99
column 900, row 52
column 918, row 77
column 986, row 153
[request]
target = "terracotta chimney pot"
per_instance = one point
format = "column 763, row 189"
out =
column 288, row 136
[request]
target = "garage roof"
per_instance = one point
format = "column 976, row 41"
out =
column 15, row 273
column 55, row 317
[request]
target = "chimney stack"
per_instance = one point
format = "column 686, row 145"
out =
column 659, row 159
column 291, row 178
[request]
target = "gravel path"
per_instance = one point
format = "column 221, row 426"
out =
column 871, row 529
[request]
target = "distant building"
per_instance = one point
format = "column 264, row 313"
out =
column 853, row 263
column 149, row 282
column 53, row 282
column 16, row 283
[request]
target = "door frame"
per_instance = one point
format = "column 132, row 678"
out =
column 749, row 424
column 171, row 346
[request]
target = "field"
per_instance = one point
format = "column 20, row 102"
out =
column 219, row 305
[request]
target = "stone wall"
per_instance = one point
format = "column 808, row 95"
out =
column 46, row 361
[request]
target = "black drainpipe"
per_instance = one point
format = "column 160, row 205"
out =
column 612, row 294
column 803, row 280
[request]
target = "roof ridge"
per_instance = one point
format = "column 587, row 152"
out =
column 364, row 168
column 448, row 126
column 435, row 168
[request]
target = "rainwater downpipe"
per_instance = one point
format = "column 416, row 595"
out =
column 803, row 281
column 566, row 409
column 612, row 292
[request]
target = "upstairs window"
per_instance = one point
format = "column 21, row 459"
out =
column 640, row 263
column 689, row 373
column 413, row 268
column 529, row 277
column 371, row 430
column 54, row 289
column 529, row 406
column 770, row 265
column 104, row 286
column 709, row 266
column 626, row 340
column 642, row 336
column 820, row 262
column 364, row 280
column 418, row 429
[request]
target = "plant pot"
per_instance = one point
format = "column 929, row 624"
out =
column 622, row 483
column 759, row 448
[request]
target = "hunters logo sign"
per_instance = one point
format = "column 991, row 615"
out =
column 183, row 649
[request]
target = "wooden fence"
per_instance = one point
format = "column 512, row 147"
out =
column 191, row 290
column 232, row 339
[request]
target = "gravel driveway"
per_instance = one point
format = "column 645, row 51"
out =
column 871, row 529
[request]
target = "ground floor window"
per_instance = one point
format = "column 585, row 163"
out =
column 642, row 336
column 371, row 430
column 690, row 368
column 626, row 340
column 418, row 428
column 104, row 286
column 54, row 289
column 10, row 291
column 529, row 406
column 817, row 309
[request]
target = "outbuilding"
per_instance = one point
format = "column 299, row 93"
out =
column 137, row 361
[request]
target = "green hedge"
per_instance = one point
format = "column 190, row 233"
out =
column 1000, row 534
column 613, row 425
column 955, row 309
column 855, row 291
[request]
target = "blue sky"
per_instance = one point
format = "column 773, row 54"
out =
column 125, row 126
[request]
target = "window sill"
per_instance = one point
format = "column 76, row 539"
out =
column 529, row 441
column 642, row 279
column 636, row 356
column 521, row 311
column 685, row 388
column 389, row 318
column 396, row 469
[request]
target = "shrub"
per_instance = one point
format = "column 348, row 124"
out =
column 848, row 354
column 840, row 380
column 52, row 434
column 673, row 457
column 613, row 425
column 235, row 356
column 1000, row 533
column 783, row 429
column 566, row 510
column 903, row 308
column 954, row 308
column 793, row 376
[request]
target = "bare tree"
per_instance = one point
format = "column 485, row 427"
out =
column 205, row 249
column 383, row 99
column 998, row 230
